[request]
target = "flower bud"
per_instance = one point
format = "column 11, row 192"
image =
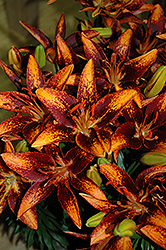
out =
column 156, row 83
column 154, row 158
column 22, row 146
column 126, row 228
column 102, row 160
column 95, row 220
column 94, row 175
column 40, row 56
column 14, row 58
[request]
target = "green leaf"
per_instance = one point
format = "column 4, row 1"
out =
column 31, row 238
column 120, row 160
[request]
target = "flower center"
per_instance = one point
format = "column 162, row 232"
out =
column 83, row 118
column 144, row 130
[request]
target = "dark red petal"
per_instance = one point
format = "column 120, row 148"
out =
column 44, row 40
column 145, row 176
column 14, row 101
column 90, row 143
column 124, row 137
column 122, row 46
column 12, row 76
column 93, row 51
column 61, row 27
column 66, row 55
column 80, row 159
column 139, row 65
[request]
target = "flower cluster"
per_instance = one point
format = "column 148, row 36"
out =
column 69, row 129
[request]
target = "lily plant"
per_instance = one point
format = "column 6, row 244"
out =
column 83, row 151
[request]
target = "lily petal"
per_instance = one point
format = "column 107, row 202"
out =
column 61, row 27
column 145, row 176
column 54, row 134
column 123, row 44
column 87, row 86
column 14, row 101
column 101, row 205
column 12, row 76
column 80, row 159
column 35, row 194
column 138, row 66
column 156, row 234
column 58, row 80
column 123, row 243
column 119, row 179
column 14, row 125
column 91, row 143
column 84, row 184
column 108, row 108
column 124, row 137
column 66, row 55
column 40, row 36
column 27, row 164
column 69, row 202
column 34, row 77
column 59, row 103
column 93, row 50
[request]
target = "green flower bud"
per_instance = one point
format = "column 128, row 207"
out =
column 102, row 160
column 126, row 228
column 156, row 83
column 94, row 175
column 22, row 146
column 40, row 56
column 154, row 158
column 95, row 220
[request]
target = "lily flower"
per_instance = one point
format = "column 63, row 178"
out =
column 12, row 189
column 26, row 102
column 83, row 118
column 142, row 200
column 144, row 129
column 47, row 173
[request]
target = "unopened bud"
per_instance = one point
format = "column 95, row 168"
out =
column 95, row 220
column 94, row 175
column 22, row 146
column 14, row 58
column 156, row 83
column 154, row 158
column 40, row 56
column 126, row 228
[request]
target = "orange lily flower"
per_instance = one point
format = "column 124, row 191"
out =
column 12, row 189
column 84, row 117
column 142, row 129
column 27, row 102
column 47, row 173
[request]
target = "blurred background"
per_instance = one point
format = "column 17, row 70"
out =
column 38, row 14
column 45, row 17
